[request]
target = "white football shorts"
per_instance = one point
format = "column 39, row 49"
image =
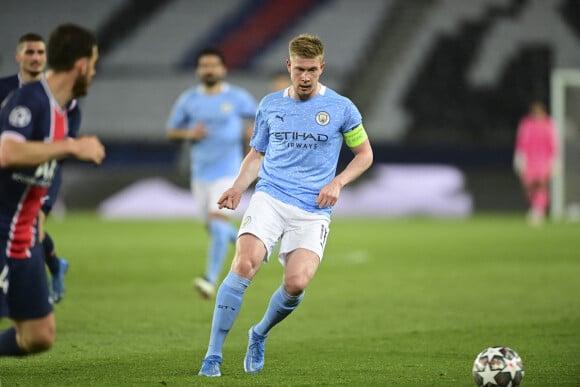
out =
column 271, row 220
column 207, row 193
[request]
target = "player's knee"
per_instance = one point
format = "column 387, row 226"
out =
column 243, row 265
column 36, row 339
column 296, row 284
column 39, row 341
column 247, row 262
column 249, row 257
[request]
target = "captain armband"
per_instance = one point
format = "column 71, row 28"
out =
column 355, row 137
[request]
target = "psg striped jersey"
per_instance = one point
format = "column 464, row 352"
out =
column 31, row 113
column 13, row 82
column 7, row 85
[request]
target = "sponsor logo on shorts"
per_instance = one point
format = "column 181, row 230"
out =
column 247, row 220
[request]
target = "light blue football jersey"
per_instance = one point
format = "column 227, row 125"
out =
column 301, row 141
column 219, row 154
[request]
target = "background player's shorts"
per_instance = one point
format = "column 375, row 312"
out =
column 207, row 194
column 28, row 296
column 270, row 219
column 537, row 174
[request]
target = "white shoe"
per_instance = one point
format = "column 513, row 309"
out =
column 205, row 288
column 535, row 217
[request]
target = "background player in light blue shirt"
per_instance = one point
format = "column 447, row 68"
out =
column 212, row 117
column 294, row 151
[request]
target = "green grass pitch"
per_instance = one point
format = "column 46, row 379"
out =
column 407, row 302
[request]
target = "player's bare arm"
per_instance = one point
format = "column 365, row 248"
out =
column 88, row 148
column 249, row 131
column 15, row 152
column 248, row 173
column 363, row 159
column 196, row 133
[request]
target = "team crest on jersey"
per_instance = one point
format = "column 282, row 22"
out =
column 19, row 116
column 247, row 220
column 227, row 107
column 322, row 118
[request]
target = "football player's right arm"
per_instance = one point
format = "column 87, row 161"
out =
column 248, row 173
column 193, row 134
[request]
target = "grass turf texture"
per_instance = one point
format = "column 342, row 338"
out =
column 394, row 303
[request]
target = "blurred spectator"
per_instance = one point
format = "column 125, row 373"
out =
column 280, row 80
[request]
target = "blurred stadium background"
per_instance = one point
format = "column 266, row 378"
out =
column 441, row 85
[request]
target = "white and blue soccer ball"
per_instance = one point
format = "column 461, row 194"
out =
column 498, row 366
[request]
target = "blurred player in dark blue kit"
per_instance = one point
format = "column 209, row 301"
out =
column 33, row 137
column 31, row 56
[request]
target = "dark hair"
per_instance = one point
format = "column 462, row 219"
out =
column 211, row 51
column 67, row 44
column 30, row 37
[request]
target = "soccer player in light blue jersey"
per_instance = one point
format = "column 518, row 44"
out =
column 294, row 152
column 212, row 116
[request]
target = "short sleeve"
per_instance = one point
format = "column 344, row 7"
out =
column 352, row 117
column 259, row 140
column 178, row 116
column 19, row 114
column 248, row 105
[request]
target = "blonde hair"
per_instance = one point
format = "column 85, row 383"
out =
column 306, row 46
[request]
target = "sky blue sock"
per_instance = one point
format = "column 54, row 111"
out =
column 233, row 233
column 220, row 237
column 8, row 345
column 280, row 306
column 227, row 306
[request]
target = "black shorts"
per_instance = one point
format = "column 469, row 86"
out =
column 27, row 295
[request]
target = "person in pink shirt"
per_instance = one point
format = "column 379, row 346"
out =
column 535, row 159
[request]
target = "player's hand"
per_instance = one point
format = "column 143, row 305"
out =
column 197, row 132
column 89, row 148
column 328, row 195
column 230, row 199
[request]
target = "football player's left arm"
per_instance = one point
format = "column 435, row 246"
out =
column 41, row 226
column 363, row 159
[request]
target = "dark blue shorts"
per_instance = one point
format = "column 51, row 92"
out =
column 28, row 296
